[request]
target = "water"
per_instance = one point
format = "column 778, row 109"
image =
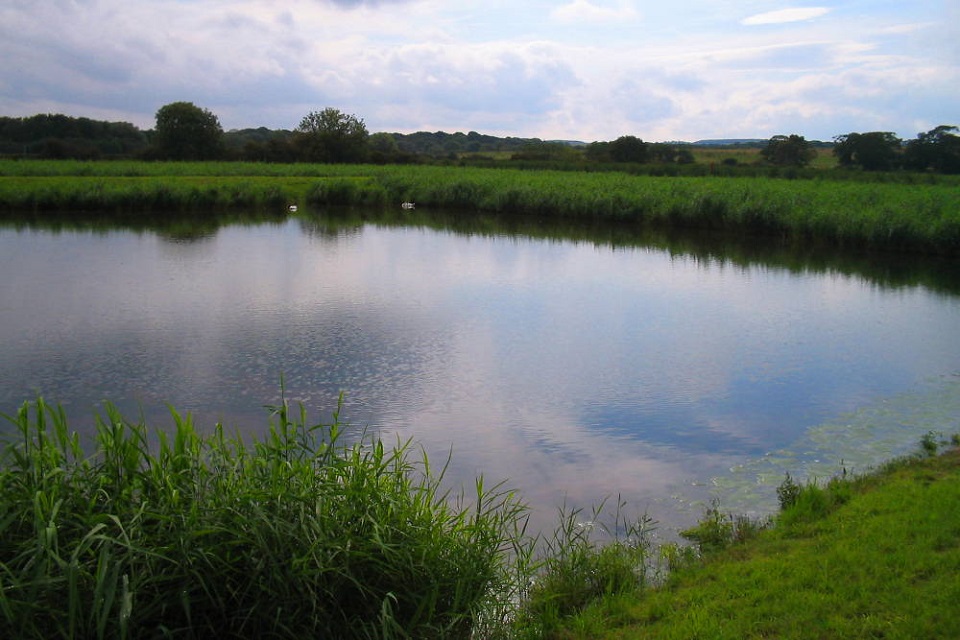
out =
column 573, row 368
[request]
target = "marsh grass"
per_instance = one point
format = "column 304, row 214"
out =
column 312, row 531
column 912, row 212
column 305, row 533
column 149, row 194
column 316, row 531
column 587, row 557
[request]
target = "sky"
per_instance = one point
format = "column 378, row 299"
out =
column 558, row 70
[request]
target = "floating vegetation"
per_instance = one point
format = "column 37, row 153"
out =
column 853, row 443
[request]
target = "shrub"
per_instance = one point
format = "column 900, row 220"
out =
column 788, row 492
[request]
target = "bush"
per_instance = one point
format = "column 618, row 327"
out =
column 788, row 492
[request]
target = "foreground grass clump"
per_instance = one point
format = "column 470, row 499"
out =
column 875, row 556
column 583, row 561
column 299, row 535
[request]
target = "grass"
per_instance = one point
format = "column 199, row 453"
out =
column 911, row 213
column 869, row 557
column 315, row 531
column 301, row 534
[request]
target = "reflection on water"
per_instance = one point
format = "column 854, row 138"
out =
column 579, row 362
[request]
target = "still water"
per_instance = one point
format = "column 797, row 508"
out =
column 574, row 369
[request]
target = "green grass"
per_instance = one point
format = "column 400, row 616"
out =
column 315, row 531
column 305, row 533
column 150, row 193
column 913, row 213
column 871, row 557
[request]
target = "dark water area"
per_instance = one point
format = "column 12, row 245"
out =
column 576, row 362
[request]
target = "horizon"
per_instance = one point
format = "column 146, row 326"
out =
column 584, row 70
column 703, row 141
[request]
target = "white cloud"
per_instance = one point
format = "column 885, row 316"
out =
column 583, row 11
column 786, row 15
column 578, row 69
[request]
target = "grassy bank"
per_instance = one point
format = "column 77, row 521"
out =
column 314, row 531
column 872, row 557
column 918, row 215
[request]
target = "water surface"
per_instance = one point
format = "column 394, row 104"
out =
column 574, row 368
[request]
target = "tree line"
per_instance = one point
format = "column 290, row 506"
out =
column 184, row 131
column 937, row 150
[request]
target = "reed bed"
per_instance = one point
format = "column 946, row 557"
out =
column 920, row 214
column 917, row 217
column 135, row 168
column 307, row 533
column 147, row 194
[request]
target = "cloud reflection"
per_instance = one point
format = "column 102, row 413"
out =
column 573, row 370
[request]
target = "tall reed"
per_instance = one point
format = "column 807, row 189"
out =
column 912, row 212
column 308, row 532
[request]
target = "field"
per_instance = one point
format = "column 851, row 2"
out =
column 908, row 212
column 751, row 155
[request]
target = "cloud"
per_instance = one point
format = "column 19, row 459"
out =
column 577, row 69
column 786, row 15
column 583, row 11
column 353, row 4
column 643, row 104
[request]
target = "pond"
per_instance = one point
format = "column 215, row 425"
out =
column 576, row 364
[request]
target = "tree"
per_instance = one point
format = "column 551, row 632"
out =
column 332, row 136
column 788, row 151
column 935, row 150
column 184, row 131
column 546, row 151
column 383, row 148
column 60, row 136
column 628, row 149
column 873, row 151
column 597, row 152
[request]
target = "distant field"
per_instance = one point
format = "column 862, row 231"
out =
column 750, row 155
column 706, row 155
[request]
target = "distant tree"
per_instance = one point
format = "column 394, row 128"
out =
column 546, row 151
column 628, row 149
column 663, row 152
column 383, row 148
column 788, row 151
column 60, row 136
column 935, row 150
column 597, row 152
column 873, row 151
column 332, row 136
column 384, row 143
column 260, row 145
column 184, row 131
